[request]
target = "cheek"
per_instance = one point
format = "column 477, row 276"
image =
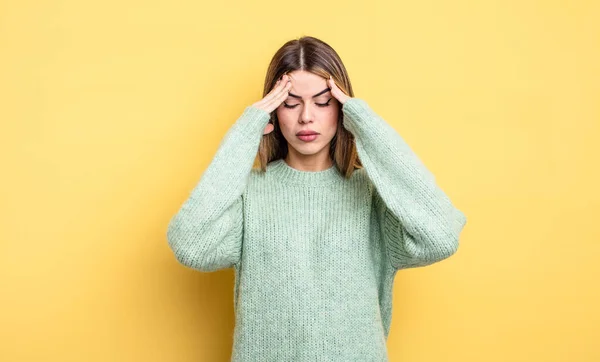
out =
column 284, row 120
column 332, row 118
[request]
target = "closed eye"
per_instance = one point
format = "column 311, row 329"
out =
column 326, row 104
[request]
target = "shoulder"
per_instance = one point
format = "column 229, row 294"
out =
column 359, row 183
column 360, row 176
column 257, row 175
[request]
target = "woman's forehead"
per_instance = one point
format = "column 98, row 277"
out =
column 300, row 96
column 306, row 85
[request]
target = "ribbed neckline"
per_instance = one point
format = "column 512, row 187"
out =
column 288, row 174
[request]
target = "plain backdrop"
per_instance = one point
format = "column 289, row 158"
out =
column 111, row 110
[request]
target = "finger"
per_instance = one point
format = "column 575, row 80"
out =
column 281, row 89
column 336, row 91
column 285, row 80
column 280, row 97
column 334, row 88
column 333, row 85
column 281, row 81
column 273, row 94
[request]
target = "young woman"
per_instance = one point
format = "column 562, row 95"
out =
column 316, row 234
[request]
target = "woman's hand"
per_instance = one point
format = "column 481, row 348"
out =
column 275, row 97
column 337, row 92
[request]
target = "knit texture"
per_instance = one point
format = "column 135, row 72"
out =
column 314, row 253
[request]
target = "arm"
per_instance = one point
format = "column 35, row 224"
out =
column 419, row 223
column 206, row 233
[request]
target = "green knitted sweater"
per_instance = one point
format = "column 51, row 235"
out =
column 314, row 253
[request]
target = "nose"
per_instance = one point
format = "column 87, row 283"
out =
column 306, row 115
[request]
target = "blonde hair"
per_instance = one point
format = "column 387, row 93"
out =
column 312, row 55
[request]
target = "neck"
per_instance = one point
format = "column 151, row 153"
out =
column 313, row 163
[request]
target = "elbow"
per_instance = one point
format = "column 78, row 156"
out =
column 186, row 259
column 448, row 245
column 179, row 244
column 192, row 251
column 185, row 255
column 449, row 248
column 437, row 249
column 442, row 248
column 461, row 221
column 174, row 236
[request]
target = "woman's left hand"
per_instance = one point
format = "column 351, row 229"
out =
column 337, row 93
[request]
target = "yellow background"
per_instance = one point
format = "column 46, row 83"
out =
column 111, row 111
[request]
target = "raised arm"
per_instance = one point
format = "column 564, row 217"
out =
column 418, row 221
column 206, row 233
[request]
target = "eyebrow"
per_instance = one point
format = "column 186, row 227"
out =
column 316, row 95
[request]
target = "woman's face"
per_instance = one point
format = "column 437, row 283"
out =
column 311, row 107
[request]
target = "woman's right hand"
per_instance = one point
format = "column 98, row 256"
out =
column 274, row 99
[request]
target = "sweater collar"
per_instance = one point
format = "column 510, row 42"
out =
column 288, row 174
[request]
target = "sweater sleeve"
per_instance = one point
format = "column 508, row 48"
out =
column 206, row 232
column 419, row 223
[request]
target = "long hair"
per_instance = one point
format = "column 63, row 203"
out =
column 312, row 55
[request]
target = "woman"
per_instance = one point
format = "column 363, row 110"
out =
column 317, row 233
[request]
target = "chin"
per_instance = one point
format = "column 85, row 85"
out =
column 308, row 150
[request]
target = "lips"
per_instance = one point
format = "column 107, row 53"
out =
column 306, row 133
